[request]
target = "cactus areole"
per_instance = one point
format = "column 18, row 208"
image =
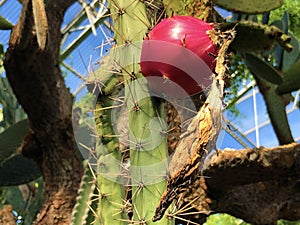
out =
column 178, row 56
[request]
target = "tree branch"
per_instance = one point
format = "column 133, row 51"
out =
column 258, row 185
column 7, row 216
column 36, row 80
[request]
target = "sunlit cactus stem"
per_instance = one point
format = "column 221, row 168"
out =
column 110, row 187
column 147, row 141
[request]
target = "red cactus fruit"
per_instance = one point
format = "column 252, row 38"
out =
column 180, row 52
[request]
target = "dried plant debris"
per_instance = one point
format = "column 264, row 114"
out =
column 201, row 135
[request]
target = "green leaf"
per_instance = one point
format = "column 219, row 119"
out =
column 249, row 6
column 262, row 69
column 291, row 80
column 224, row 219
column 12, row 138
column 5, row 24
column 1, row 49
column 18, row 170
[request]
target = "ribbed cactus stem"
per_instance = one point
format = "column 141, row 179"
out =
column 110, row 187
column 148, row 148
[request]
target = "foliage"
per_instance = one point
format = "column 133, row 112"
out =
column 26, row 200
column 293, row 8
column 249, row 7
column 286, row 222
column 224, row 219
column 276, row 56
column 5, row 24
column 238, row 80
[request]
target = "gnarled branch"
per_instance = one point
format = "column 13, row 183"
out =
column 36, row 80
column 258, row 185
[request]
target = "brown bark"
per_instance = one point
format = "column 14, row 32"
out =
column 36, row 80
column 7, row 216
column 259, row 185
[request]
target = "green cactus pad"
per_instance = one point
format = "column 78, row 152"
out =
column 262, row 69
column 18, row 170
column 291, row 80
column 12, row 138
column 249, row 6
column 255, row 37
column 289, row 58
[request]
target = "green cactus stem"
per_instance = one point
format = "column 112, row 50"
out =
column 148, row 148
column 262, row 69
column 203, row 9
column 84, row 198
column 291, row 80
column 276, row 110
column 249, row 7
column 255, row 37
column 110, row 187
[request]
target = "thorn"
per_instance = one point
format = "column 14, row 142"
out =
column 182, row 40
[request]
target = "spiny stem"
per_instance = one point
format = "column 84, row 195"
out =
column 148, row 148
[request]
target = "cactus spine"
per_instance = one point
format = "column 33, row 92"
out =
column 148, row 148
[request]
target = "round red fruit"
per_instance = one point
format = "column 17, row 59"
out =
column 180, row 52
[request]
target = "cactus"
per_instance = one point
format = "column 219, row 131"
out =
column 289, row 58
column 291, row 80
column 11, row 139
column 132, row 166
column 15, row 169
column 253, row 37
column 203, row 9
column 249, row 7
column 110, row 208
column 18, row 170
column 12, row 112
column 262, row 69
column 136, row 189
column 84, row 198
column 148, row 147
